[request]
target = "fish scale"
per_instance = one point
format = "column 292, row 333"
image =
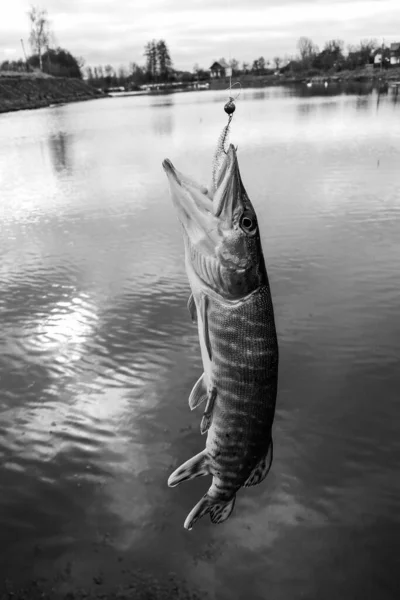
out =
column 239, row 395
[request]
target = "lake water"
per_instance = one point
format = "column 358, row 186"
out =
column 98, row 354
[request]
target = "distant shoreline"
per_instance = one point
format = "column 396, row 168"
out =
column 364, row 75
column 27, row 91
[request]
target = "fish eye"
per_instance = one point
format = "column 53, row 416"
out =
column 248, row 224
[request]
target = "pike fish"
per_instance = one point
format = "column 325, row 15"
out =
column 231, row 301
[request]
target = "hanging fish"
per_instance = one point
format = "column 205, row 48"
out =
column 232, row 304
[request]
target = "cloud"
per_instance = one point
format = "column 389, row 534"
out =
column 200, row 31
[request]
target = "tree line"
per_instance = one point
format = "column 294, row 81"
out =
column 158, row 65
column 309, row 60
column 157, row 69
column 333, row 57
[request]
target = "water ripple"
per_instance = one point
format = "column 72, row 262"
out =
column 98, row 354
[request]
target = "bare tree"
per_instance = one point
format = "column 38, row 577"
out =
column 163, row 59
column 367, row 48
column 335, row 46
column 277, row 61
column 150, row 52
column 307, row 49
column 258, row 65
column 234, row 65
column 137, row 74
column 39, row 37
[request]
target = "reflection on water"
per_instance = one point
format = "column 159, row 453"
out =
column 162, row 100
column 58, row 146
column 332, row 89
column 98, row 354
column 163, row 124
column 260, row 94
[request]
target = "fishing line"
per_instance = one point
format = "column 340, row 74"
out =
column 230, row 106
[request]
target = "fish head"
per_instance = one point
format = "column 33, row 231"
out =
column 222, row 239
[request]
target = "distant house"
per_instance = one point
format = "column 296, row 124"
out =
column 218, row 69
column 395, row 53
column 381, row 58
column 291, row 65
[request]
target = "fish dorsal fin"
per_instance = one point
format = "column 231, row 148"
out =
column 261, row 469
column 198, row 393
column 194, row 467
column 204, row 318
column 208, row 411
column 192, row 308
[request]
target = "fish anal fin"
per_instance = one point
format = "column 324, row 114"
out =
column 204, row 318
column 222, row 511
column 261, row 469
column 192, row 308
column 208, row 411
column 194, row 467
column 219, row 511
column 198, row 393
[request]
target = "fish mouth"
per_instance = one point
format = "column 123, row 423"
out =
column 219, row 252
column 170, row 170
column 191, row 200
column 196, row 203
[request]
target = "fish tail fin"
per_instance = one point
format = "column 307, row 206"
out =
column 194, row 467
column 219, row 510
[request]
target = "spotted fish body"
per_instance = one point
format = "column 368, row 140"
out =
column 232, row 303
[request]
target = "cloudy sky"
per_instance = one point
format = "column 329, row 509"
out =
column 198, row 31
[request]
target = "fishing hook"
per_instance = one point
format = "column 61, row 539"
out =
column 230, row 107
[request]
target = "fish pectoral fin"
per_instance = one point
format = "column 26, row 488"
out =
column 208, row 411
column 204, row 318
column 198, row 393
column 192, row 308
column 261, row 469
column 219, row 511
column 194, row 467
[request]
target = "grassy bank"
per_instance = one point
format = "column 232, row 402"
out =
column 359, row 75
column 18, row 92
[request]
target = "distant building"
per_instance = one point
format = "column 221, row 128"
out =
column 201, row 86
column 219, row 69
column 291, row 65
column 395, row 53
column 381, row 58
